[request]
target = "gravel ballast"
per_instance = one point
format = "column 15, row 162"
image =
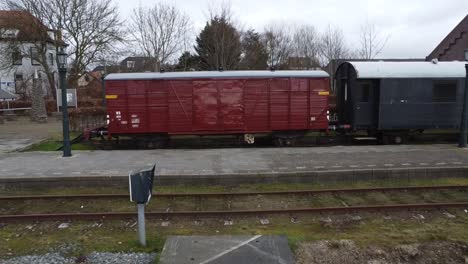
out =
column 93, row 258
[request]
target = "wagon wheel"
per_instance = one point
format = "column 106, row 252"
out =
column 159, row 143
column 278, row 142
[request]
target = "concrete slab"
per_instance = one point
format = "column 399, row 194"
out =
column 227, row 250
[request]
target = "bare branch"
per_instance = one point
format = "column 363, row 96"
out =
column 160, row 32
column 279, row 44
column 332, row 45
column 372, row 42
column 306, row 43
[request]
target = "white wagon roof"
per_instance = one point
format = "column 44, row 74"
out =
column 404, row 69
column 213, row 74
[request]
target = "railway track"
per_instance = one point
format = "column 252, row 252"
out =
column 246, row 212
column 165, row 214
column 306, row 141
column 221, row 194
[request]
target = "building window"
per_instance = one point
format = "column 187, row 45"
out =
column 130, row 64
column 444, row 91
column 10, row 33
column 18, row 77
column 34, row 56
column 51, row 58
column 17, row 58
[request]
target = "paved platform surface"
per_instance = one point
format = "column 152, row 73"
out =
column 227, row 250
column 233, row 161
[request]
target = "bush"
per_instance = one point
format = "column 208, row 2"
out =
column 87, row 111
column 16, row 104
column 87, row 117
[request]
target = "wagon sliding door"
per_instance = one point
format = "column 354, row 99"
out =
column 231, row 109
column 279, row 104
column 205, row 105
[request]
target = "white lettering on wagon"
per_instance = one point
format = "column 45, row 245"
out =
column 135, row 121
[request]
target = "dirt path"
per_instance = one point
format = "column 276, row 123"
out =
column 22, row 133
column 346, row 251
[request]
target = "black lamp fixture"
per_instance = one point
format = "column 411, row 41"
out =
column 62, row 59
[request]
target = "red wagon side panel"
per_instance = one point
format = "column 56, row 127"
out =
column 319, row 103
column 217, row 105
column 158, row 108
column 137, row 106
column 256, row 105
column 205, row 105
column 231, row 105
column 117, row 106
column 298, row 115
column 180, row 105
column 279, row 104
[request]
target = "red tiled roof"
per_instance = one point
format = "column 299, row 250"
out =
column 30, row 28
column 455, row 41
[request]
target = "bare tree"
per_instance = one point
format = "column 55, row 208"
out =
column 332, row 45
column 278, row 43
column 91, row 28
column 332, row 48
column 372, row 42
column 159, row 31
column 306, row 43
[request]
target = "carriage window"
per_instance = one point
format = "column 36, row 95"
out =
column 444, row 91
column 365, row 87
column 346, row 91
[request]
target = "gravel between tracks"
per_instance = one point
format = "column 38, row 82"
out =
column 93, row 258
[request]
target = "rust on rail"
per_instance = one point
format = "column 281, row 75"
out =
column 154, row 214
column 207, row 194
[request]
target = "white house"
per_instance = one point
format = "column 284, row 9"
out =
column 24, row 43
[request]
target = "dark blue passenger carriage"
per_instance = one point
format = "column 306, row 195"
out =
column 391, row 99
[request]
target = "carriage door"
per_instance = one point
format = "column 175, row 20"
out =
column 366, row 101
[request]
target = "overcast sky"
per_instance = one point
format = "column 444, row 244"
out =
column 414, row 27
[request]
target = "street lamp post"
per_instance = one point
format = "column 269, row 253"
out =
column 463, row 126
column 62, row 68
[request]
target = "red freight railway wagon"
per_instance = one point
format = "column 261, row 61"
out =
column 154, row 106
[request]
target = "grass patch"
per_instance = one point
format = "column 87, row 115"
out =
column 244, row 188
column 55, row 142
column 119, row 236
column 50, row 145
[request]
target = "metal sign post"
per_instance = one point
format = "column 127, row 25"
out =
column 140, row 184
column 141, row 224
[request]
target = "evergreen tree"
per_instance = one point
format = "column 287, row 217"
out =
column 188, row 62
column 218, row 46
column 254, row 54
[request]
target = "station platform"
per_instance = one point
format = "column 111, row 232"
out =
column 240, row 165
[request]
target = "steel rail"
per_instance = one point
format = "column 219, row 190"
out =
column 165, row 214
column 210, row 194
